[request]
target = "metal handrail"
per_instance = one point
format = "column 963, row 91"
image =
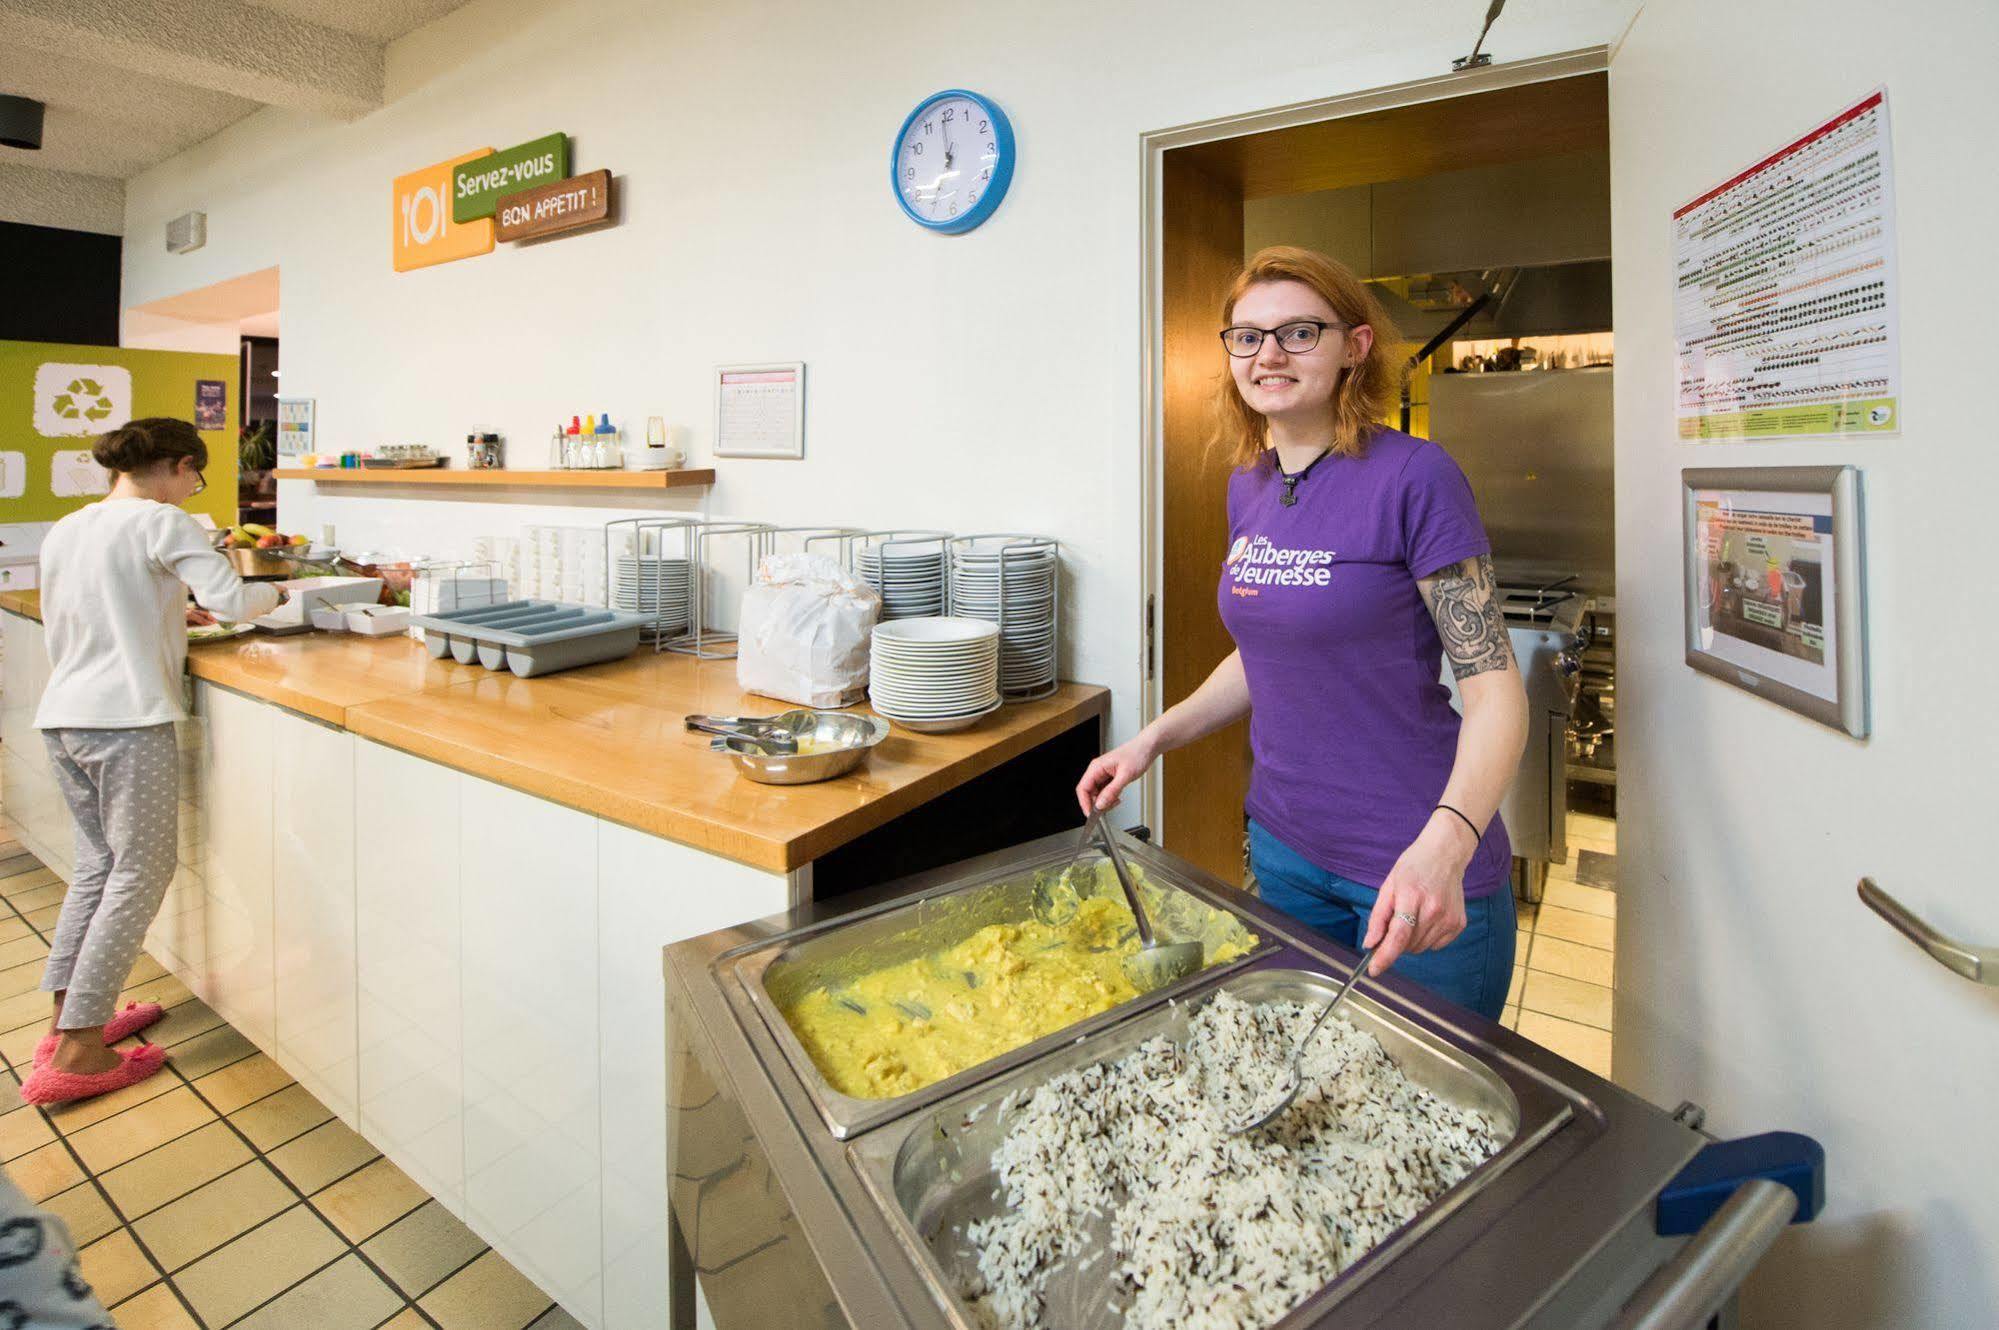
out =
column 1683, row 1293
column 1978, row 964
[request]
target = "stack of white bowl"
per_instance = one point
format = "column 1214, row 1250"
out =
column 934, row 675
column 654, row 586
column 1010, row 580
column 909, row 577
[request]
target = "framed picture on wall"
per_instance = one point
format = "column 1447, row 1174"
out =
column 1776, row 597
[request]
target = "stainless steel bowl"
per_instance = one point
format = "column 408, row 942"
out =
column 832, row 745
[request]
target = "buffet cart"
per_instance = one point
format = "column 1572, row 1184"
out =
column 800, row 1206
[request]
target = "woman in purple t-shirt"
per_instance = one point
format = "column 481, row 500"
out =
column 1357, row 566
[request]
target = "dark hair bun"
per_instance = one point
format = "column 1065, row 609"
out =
column 142, row 443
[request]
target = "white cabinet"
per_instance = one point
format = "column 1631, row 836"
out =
column 178, row 938
column 237, row 817
column 407, row 926
column 650, row 892
column 312, row 908
column 27, row 783
column 528, row 902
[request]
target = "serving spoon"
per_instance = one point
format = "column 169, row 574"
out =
column 1298, row 1052
column 1156, row 964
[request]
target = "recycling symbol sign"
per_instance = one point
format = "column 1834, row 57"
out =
column 78, row 400
column 83, row 399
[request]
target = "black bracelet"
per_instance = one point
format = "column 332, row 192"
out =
column 1477, row 835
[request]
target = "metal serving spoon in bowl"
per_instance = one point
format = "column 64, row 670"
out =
column 1298, row 1053
column 1156, row 964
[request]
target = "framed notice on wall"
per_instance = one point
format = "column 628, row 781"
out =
column 1775, row 586
column 294, row 426
column 1785, row 316
column 760, row 410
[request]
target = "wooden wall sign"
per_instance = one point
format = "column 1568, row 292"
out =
column 479, row 184
column 582, row 200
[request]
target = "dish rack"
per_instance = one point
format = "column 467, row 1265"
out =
column 1030, row 626
column 661, row 552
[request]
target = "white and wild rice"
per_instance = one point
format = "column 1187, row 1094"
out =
column 1211, row 1231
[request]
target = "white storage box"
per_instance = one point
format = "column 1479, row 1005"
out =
column 377, row 620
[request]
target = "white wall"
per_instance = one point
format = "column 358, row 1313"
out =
column 1749, row 976
column 978, row 383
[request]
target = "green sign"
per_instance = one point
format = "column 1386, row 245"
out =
column 478, row 184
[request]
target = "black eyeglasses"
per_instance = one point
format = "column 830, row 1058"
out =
column 200, row 483
column 1297, row 338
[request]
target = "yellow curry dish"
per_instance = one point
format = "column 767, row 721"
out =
column 894, row 1030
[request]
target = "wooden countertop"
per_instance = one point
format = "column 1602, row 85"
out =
column 609, row 740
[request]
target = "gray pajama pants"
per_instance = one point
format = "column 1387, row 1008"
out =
column 122, row 787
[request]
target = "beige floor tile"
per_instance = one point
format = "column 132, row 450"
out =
column 115, row 1268
column 23, row 947
column 284, row 1116
column 1574, row 926
column 1570, row 999
column 203, row 1220
column 258, row 1266
column 347, row 1295
column 364, row 1203
column 43, row 919
column 13, row 928
column 1571, row 960
column 29, row 1008
column 137, row 1130
column 1585, row 900
column 211, row 1052
column 18, row 1045
column 45, row 1172
column 22, row 977
column 408, row 1319
column 488, row 1294
column 1519, row 981
column 144, row 970
column 22, row 881
column 419, row 1251
column 556, row 1319
column 179, row 1025
column 242, row 1083
column 155, row 1309
column 173, row 1170
column 10, row 1093
column 22, row 1132
column 72, row 1118
column 85, row 1210
column 1510, row 1018
column 1587, row 1047
column 321, row 1155
column 37, row 898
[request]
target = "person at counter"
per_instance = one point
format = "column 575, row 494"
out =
column 1357, row 565
column 115, row 581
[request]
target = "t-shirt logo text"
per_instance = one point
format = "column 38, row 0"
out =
column 1257, row 562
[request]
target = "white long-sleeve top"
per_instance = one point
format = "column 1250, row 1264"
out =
column 115, row 578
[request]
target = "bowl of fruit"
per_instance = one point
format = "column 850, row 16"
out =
column 277, row 545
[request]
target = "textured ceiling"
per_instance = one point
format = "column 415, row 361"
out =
column 130, row 83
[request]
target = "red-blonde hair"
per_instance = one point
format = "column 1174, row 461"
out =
column 1366, row 392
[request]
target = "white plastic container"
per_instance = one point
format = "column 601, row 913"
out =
column 377, row 620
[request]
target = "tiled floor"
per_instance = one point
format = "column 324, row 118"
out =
column 1566, row 960
column 219, row 1193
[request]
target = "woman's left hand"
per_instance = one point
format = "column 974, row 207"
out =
column 1428, row 883
column 198, row 617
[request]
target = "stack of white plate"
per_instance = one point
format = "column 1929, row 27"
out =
column 1002, row 580
column 653, row 586
column 933, row 675
column 910, row 578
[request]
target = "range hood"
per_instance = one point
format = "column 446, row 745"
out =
column 1522, row 301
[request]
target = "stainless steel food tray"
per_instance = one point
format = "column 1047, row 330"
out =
column 531, row 637
column 897, row 931
column 932, row 1173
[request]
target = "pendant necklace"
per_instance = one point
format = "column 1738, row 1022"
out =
column 1289, row 498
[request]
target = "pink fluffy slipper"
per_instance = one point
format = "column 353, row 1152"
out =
column 136, row 1017
column 46, row 1085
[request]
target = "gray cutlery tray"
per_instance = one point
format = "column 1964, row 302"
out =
column 531, row 637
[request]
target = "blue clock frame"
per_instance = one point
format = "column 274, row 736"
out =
column 995, row 194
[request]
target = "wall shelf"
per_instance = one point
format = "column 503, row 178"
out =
column 448, row 477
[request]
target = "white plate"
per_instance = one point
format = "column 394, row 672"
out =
column 946, row 725
column 937, row 630
column 895, row 710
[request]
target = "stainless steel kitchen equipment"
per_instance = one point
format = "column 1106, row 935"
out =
column 799, row 1211
column 1157, row 963
column 832, row 744
column 1294, row 1078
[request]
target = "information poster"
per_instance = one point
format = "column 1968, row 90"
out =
column 1785, row 309
column 294, row 426
column 1769, row 585
column 760, row 410
column 211, row 403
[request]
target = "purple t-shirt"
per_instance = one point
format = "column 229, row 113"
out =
column 1350, row 722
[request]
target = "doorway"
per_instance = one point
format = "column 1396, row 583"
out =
column 1478, row 208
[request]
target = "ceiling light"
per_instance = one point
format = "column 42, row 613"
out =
column 20, row 122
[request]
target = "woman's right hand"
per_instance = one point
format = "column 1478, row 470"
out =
column 1106, row 777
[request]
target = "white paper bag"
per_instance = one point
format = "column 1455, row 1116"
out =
column 805, row 627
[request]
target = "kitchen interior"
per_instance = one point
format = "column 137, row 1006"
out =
column 553, row 942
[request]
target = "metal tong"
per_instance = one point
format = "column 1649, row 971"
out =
column 776, row 735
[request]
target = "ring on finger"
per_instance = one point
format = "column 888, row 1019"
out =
column 1406, row 918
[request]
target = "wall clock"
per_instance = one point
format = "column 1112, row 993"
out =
column 952, row 161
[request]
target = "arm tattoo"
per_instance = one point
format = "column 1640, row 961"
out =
column 1466, row 610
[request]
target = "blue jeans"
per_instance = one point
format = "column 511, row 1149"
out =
column 1474, row 969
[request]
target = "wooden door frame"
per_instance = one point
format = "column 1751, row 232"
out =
column 1153, row 147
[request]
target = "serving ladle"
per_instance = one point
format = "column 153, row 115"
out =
column 1156, row 964
column 1298, row 1052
